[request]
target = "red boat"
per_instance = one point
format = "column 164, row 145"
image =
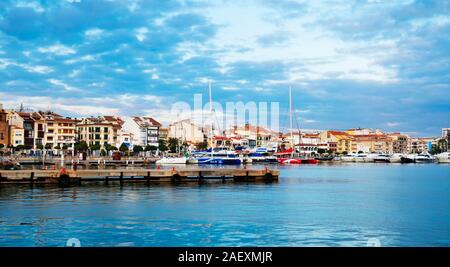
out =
column 289, row 161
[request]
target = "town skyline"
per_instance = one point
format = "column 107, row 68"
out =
column 346, row 67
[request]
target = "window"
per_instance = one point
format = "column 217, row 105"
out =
column 105, row 129
column 97, row 129
column 1, row 136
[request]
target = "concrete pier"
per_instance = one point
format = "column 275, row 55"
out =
column 78, row 177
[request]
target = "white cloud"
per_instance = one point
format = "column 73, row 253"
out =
column 57, row 49
column 4, row 63
column 392, row 124
column 80, row 59
column 31, row 4
column 155, row 76
column 141, row 34
column 94, row 32
column 63, row 85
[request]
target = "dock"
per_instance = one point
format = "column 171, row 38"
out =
column 65, row 177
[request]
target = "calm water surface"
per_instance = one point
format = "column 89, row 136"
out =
column 322, row 205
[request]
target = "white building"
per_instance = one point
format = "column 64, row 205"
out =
column 186, row 131
column 143, row 130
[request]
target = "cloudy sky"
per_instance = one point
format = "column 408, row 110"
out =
column 378, row 64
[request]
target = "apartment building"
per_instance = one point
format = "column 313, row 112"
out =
column 4, row 133
column 143, row 130
column 60, row 132
column 187, row 131
column 101, row 130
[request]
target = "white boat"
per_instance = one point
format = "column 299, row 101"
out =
column 396, row 158
column 424, row 158
column 169, row 161
column 363, row 158
column 348, row 158
column 382, row 158
column 443, row 157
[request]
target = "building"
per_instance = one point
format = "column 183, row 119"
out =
column 163, row 133
column 399, row 142
column 421, row 144
column 446, row 136
column 372, row 143
column 34, row 127
column 4, row 133
column 103, row 130
column 16, row 130
column 254, row 136
column 60, row 132
column 143, row 130
column 187, row 131
column 338, row 141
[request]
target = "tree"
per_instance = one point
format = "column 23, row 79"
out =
column 81, row 146
column 173, row 144
column 94, row 147
column 58, row 147
column 103, row 153
column 39, row 146
column 109, row 147
column 137, row 149
column 344, row 153
column 2, row 146
column 123, row 148
column 202, row 146
column 48, row 146
column 321, row 150
column 162, row 145
column 65, row 147
column 150, row 148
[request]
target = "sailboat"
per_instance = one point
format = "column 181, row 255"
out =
column 173, row 160
column 288, row 156
column 217, row 157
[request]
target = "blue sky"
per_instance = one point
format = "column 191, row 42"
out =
column 378, row 64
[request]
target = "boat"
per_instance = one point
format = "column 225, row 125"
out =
column 262, row 158
column 325, row 158
column 289, row 161
column 382, row 158
column 424, row 158
column 170, row 161
column 396, row 158
column 364, row 157
column 219, row 161
column 443, row 157
column 348, row 158
column 7, row 164
column 408, row 158
column 309, row 160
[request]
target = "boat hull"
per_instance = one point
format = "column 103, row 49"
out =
column 289, row 161
column 220, row 161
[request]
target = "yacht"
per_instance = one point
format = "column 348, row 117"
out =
column 443, row 157
column 382, row 158
column 396, row 158
column 424, row 158
column 363, row 158
column 348, row 158
column 408, row 158
column 170, row 161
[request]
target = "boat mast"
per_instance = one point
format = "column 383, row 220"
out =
column 210, row 112
column 290, row 120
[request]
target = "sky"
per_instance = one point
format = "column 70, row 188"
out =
column 377, row 64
